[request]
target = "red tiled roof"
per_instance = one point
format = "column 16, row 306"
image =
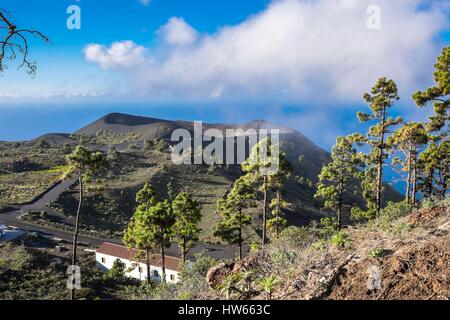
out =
column 123, row 252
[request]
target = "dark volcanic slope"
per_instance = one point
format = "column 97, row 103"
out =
column 120, row 123
column 292, row 142
column 55, row 139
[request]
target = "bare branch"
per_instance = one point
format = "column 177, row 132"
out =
column 15, row 43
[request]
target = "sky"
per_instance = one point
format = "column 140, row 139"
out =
column 301, row 63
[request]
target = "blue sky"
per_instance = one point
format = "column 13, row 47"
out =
column 301, row 63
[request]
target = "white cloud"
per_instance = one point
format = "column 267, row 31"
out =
column 144, row 2
column 123, row 54
column 295, row 50
column 178, row 32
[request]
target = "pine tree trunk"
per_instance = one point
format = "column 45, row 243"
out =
column 443, row 178
column 380, row 165
column 408, row 179
column 277, row 224
column 430, row 185
column 147, row 251
column 414, row 180
column 183, row 249
column 163, row 257
column 240, row 243
column 339, row 209
column 263, row 240
column 444, row 186
column 75, row 235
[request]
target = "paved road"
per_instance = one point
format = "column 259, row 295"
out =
column 12, row 219
column 41, row 202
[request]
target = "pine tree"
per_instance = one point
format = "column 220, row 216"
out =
column 409, row 139
column 433, row 166
column 262, row 157
column 434, row 161
column 152, row 225
column 118, row 269
column 161, row 219
column 438, row 95
column 335, row 178
column 139, row 234
column 186, row 230
column 84, row 164
column 382, row 97
column 233, row 219
column 276, row 182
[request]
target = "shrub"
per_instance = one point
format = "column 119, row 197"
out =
column 319, row 245
column 431, row 202
column 329, row 227
column 149, row 144
column 118, row 269
column 14, row 258
column 340, row 239
column 398, row 228
column 280, row 259
column 376, row 253
column 358, row 214
column 162, row 145
column 395, row 210
column 297, row 235
column 43, row 215
column 199, row 267
column 255, row 246
column 267, row 285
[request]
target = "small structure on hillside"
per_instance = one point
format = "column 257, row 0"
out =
column 108, row 253
column 17, row 165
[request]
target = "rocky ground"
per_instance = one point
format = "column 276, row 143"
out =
column 405, row 257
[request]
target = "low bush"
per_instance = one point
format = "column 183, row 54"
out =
column 340, row 239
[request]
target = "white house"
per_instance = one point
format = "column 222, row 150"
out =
column 110, row 252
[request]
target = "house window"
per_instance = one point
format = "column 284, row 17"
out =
column 172, row 277
column 103, row 260
column 155, row 273
column 140, row 269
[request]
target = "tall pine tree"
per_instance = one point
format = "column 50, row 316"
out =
column 152, row 225
column 409, row 139
column 438, row 95
column 382, row 97
column 138, row 234
column 233, row 217
column 276, row 182
column 434, row 161
column 83, row 164
column 335, row 178
column 186, row 230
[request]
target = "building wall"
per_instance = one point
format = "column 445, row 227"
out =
column 106, row 265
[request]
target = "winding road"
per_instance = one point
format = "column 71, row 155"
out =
column 41, row 202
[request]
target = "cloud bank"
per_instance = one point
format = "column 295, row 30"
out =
column 123, row 54
column 294, row 50
column 177, row 32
